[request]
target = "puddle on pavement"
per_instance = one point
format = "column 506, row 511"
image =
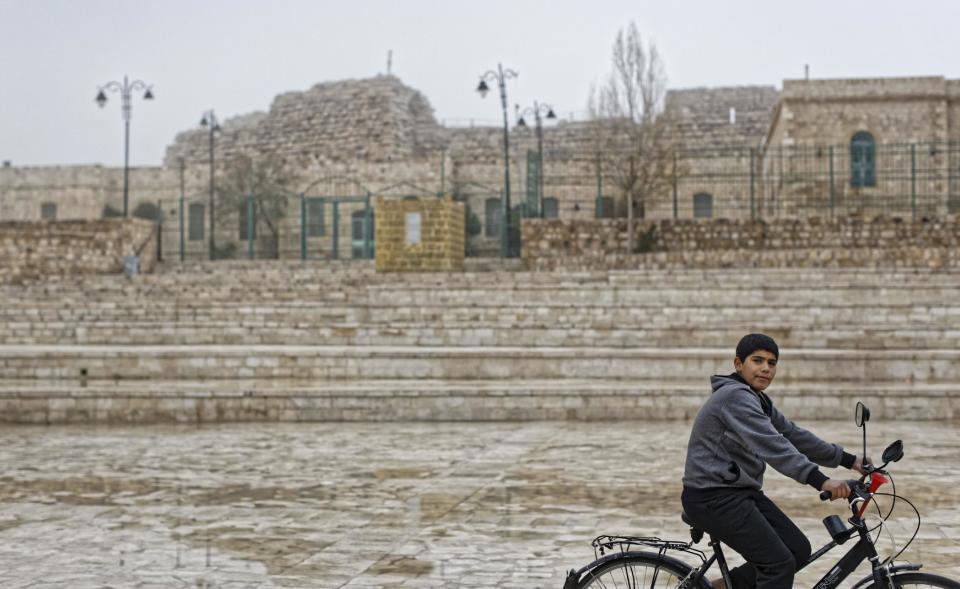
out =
column 400, row 473
column 401, row 565
column 280, row 550
column 245, row 493
column 75, row 491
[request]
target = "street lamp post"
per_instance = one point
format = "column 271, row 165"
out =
column 210, row 122
column 125, row 89
column 536, row 111
column 501, row 76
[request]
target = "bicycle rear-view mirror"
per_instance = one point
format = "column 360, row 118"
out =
column 862, row 414
column 893, row 453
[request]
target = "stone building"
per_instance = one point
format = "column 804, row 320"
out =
column 817, row 147
column 865, row 146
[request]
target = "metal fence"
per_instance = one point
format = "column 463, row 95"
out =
column 334, row 220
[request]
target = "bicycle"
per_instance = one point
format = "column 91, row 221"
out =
column 627, row 561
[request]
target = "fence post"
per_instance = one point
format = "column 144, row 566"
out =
column 160, row 230
column 675, row 202
column 183, row 191
column 367, row 229
column 303, row 226
column 833, row 190
column 250, row 226
column 598, row 202
column 752, row 178
column 504, row 227
column 913, row 180
column 443, row 171
column 335, row 251
column 181, row 228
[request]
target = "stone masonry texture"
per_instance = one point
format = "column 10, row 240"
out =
column 440, row 224
column 31, row 250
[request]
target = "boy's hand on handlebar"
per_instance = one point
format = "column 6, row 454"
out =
column 858, row 465
column 838, row 489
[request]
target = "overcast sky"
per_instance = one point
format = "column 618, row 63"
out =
column 235, row 56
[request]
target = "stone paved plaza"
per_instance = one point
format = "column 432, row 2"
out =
column 388, row 505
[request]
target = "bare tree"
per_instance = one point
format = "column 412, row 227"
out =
column 269, row 182
column 629, row 126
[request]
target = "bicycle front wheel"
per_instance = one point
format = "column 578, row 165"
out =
column 919, row 581
column 641, row 570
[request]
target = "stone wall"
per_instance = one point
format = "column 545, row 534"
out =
column 82, row 192
column 376, row 119
column 31, row 250
column 419, row 235
column 721, row 117
column 893, row 110
column 779, row 243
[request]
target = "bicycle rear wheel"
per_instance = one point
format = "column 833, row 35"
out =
column 919, row 581
column 641, row 570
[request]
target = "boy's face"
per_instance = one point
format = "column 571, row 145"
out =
column 758, row 369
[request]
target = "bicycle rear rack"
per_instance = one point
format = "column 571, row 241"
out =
column 603, row 544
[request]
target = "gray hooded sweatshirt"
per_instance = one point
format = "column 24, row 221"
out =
column 738, row 432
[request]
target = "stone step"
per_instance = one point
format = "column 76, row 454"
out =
column 663, row 365
column 794, row 296
column 789, row 334
column 435, row 400
column 281, row 279
column 568, row 316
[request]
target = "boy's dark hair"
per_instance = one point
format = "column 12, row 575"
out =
column 752, row 342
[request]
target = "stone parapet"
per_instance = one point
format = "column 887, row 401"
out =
column 36, row 249
column 802, row 243
column 865, row 88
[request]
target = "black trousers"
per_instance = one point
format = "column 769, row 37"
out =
column 747, row 521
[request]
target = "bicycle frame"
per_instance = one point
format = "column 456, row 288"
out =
column 862, row 550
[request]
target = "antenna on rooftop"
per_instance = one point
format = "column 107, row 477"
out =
column 389, row 62
column 806, row 72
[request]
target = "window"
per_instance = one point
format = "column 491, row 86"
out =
column 359, row 221
column 863, row 166
column 605, row 208
column 551, row 208
column 358, row 224
column 315, row 225
column 702, row 206
column 244, row 222
column 196, row 219
column 48, row 210
column 493, row 217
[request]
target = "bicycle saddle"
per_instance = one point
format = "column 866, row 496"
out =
column 696, row 534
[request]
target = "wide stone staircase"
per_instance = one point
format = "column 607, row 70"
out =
column 303, row 341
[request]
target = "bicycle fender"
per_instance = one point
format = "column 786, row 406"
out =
column 573, row 577
column 894, row 570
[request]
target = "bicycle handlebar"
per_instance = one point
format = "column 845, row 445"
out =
column 856, row 490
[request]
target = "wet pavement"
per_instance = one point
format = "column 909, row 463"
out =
column 392, row 505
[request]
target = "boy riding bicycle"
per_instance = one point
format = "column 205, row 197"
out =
column 735, row 435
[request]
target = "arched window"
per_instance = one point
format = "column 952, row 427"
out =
column 863, row 164
column 702, row 206
column 493, row 215
column 196, row 222
column 551, row 208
